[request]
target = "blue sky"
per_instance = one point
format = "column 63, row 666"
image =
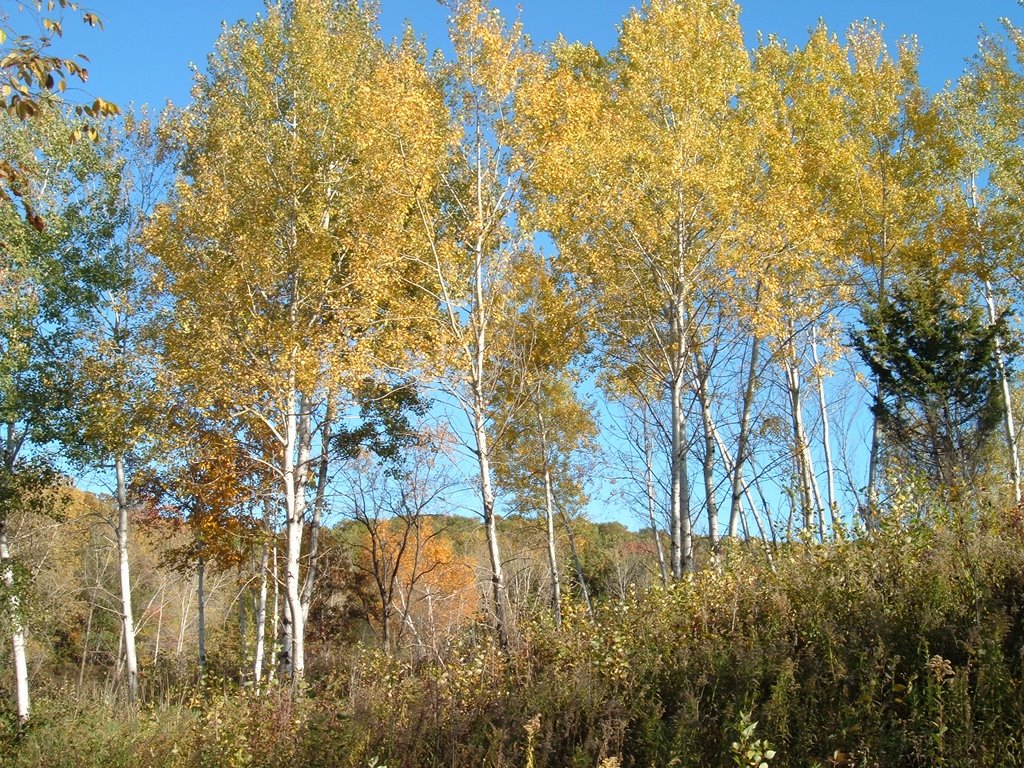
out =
column 142, row 55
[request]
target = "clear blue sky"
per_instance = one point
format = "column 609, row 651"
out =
column 142, row 55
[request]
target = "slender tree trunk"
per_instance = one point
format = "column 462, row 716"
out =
column 730, row 467
column 186, row 602
column 826, row 434
column 18, row 631
column 549, row 514
column 874, row 457
column 682, row 537
column 704, row 400
column 319, row 503
column 651, row 499
column 549, row 517
column 743, row 439
column 275, row 614
column 793, row 384
column 296, row 456
column 261, row 617
column 499, row 593
column 127, row 616
column 577, row 565
column 201, row 622
column 810, row 499
column 871, row 508
column 1009, row 429
column 286, row 641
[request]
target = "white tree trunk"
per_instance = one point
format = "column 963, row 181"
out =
column 18, row 631
column 810, row 496
column 296, row 457
column 498, row 591
column 549, row 517
column 1009, row 429
column 682, row 537
column 275, row 613
column 127, row 615
column 826, row 434
column 261, row 618
column 679, row 506
column 743, row 439
column 704, row 399
column 651, row 500
column 549, row 514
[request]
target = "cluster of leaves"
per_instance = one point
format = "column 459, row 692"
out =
column 32, row 80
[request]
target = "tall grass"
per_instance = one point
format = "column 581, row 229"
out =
column 902, row 647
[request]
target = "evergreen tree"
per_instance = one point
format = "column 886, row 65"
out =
column 938, row 395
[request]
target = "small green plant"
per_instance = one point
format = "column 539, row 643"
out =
column 748, row 752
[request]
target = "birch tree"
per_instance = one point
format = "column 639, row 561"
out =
column 302, row 154
column 48, row 278
column 475, row 242
column 642, row 157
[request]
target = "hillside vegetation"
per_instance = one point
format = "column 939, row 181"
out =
column 904, row 647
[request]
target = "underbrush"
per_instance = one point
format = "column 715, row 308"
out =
column 904, row 647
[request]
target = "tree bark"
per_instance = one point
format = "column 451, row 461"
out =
column 810, row 497
column 826, row 434
column 704, row 399
column 549, row 514
column 651, row 500
column 295, row 460
column 261, row 617
column 21, row 693
column 682, row 538
column 127, row 615
column 1009, row 429
column 679, row 510
column 549, row 518
column 743, row 439
column 275, row 614
column 498, row 591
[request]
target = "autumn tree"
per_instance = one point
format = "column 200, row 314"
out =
column 885, row 187
column 475, row 243
column 112, row 404
column 302, row 155
column 642, row 159
column 539, row 458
